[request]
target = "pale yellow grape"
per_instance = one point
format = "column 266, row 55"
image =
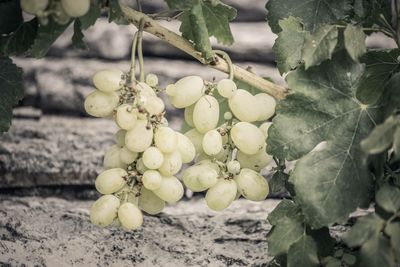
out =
column 130, row 216
column 265, row 127
column 110, row 181
column 221, row 195
column 212, row 143
column 202, row 156
column 196, row 138
column 210, row 164
column 76, row 8
column 140, row 137
column 108, row 80
column 190, row 178
column 112, row 158
column 252, row 185
column 145, row 90
column 266, row 105
column 189, row 115
column 152, row 158
column 208, row 178
column 226, row 88
column 187, row 91
column 154, row 105
column 247, row 137
column 34, row 6
column 185, row 148
column 127, row 156
column 164, row 122
column 100, row 104
column 244, row 106
column 126, row 116
column 104, row 210
column 206, row 114
column 233, row 167
column 223, row 154
column 59, row 15
column 228, row 116
column 170, row 90
column 150, row 202
column 172, row 164
column 151, row 179
column 152, row 79
column 120, row 137
column 129, row 193
column 256, row 161
column 166, row 139
column 171, row 189
column 140, row 167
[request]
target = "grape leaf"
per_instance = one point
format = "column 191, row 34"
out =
column 319, row 46
column 46, row 36
column 289, row 44
column 388, row 197
column 77, row 38
column 323, row 108
column 303, row 253
column 19, row 41
column 376, row 252
column 363, row 229
column 379, row 67
column 115, row 13
column 12, row 90
column 91, row 16
column 312, row 13
column 354, row 41
column 181, row 4
column 10, row 16
column 285, row 209
column 393, row 230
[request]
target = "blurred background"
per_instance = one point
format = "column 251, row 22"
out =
column 53, row 152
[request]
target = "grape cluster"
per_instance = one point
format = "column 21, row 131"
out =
column 60, row 11
column 230, row 151
column 140, row 168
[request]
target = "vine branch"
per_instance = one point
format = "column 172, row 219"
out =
column 153, row 27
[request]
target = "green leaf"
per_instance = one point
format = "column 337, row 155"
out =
column 46, row 36
column 289, row 44
column 303, row 253
column 285, row 209
column 364, row 229
column 381, row 137
column 376, row 252
column 115, row 13
column 388, row 197
column 391, row 96
column 396, row 142
column 19, row 41
column 181, row 4
column 354, row 41
column 91, row 16
column 319, row 46
column 325, row 243
column 278, row 182
column 77, row 38
column 312, row 13
column 323, row 109
column 12, row 90
column 10, row 16
column 393, row 230
column 379, row 67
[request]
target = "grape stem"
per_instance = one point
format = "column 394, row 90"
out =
column 140, row 50
column 133, row 58
column 228, row 60
column 153, row 27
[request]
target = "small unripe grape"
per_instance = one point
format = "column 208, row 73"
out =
column 104, row 210
column 185, row 148
column 170, row 90
column 110, row 181
column 154, row 105
column 130, row 216
column 140, row 167
column 187, row 91
column 140, row 137
column 226, row 88
column 212, row 143
column 244, row 106
column 152, row 79
column 266, row 105
column 100, row 104
column 189, row 115
column 34, row 6
column 252, row 185
column 206, row 114
column 76, row 8
column 172, row 164
column 127, row 156
column 108, row 80
column 196, row 138
column 221, row 195
column 247, row 137
column 166, row 139
column 150, row 202
column 233, row 167
column 265, row 127
column 120, row 137
column 112, row 158
column 256, row 161
column 151, row 179
column 228, row 116
column 152, row 158
column 126, row 117
column 171, row 189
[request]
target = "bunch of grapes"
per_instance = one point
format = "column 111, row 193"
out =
column 60, row 11
column 139, row 170
column 231, row 151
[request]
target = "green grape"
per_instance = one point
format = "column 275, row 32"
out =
column 171, row 165
column 170, row 90
column 196, row 138
column 130, row 216
column 145, row 90
column 171, row 189
column 226, row 88
column 140, row 167
column 152, row 79
column 152, row 158
column 206, row 114
column 126, row 156
column 108, row 80
column 252, row 185
column 76, row 8
column 154, row 105
column 120, row 137
column 150, row 202
column 59, row 14
column 34, row 6
column 221, row 195
column 247, row 137
column 244, row 107
column 201, row 176
column 100, row 104
column 140, row 137
column 189, row 115
column 185, row 148
column 233, row 167
column 265, row 127
column 256, row 161
column 187, row 91
column 104, row 210
column 208, row 178
column 166, row 139
column 126, row 117
column 151, row 179
column 212, row 143
column 228, row 116
column 112, row 158
column 111, row 181
column 266, row 105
